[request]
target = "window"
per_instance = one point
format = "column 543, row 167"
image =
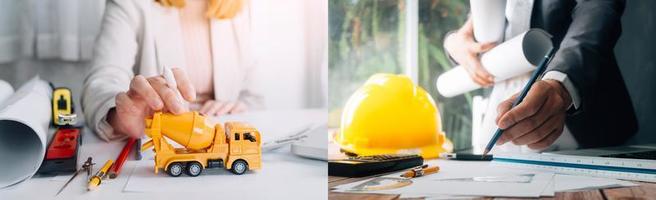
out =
column 249, row 137
column 236, row 136
column 396, row 36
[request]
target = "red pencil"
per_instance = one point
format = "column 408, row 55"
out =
column 116, row 168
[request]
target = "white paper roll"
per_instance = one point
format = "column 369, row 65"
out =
column 489, row 18
column 5, row 91
column 511, row 58
column 24, row 121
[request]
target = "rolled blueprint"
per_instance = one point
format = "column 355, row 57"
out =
column 514, row 57
column 24, row 121
column 489, row 18
column 5, row 91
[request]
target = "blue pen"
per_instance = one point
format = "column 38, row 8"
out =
column 541, row 67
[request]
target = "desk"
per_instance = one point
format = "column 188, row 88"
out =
column 45, row 187
column 644, row 191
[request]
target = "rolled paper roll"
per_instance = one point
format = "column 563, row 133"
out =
column 489, row 18
column 514, row 57
column 24, row 120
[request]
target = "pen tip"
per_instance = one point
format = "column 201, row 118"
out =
column 485, row 152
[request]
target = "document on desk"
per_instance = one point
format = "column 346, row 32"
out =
column 280, row 174
column 279, row 126
column 24, row 120
column 466, row 179
column 458, row 179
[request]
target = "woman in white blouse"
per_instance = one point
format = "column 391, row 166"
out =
column 206, row 43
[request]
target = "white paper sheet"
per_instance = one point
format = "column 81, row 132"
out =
column 23, row 131
column 280, row 174
column 512, row 58
column 278, row 124
column 489, row 19
column 5, row 91
column 442, row 183
column 564, row 183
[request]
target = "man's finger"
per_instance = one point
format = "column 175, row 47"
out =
column 527, row 125
column 184, row 84
column 504, row 107
column 528, row 107
column 547, row 141
column 140, row 86
column 540, row 132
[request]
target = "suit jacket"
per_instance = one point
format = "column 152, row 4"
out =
column 141, row 36
column 586, row 33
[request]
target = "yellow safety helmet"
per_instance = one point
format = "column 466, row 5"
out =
column 391, row 115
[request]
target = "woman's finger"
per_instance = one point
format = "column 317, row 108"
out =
column 206, row 107
column 215, row 108
column 239, row 108
column 141, row 87
column 167, row 95
column 184, row 84
column 226, row 108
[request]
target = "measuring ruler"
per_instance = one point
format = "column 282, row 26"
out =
column 618, row 168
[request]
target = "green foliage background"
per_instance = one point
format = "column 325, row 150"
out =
column 367, row 37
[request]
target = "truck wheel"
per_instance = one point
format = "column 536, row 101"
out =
column 174, row 169
column 239, row 167
column 194, row 169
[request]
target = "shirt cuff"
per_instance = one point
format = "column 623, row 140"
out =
column 567, row 83
column 103, row 129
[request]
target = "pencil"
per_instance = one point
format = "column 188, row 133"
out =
column 116, row 168
column 541, row 67
column 94, row 182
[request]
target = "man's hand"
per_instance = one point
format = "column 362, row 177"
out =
column 145, row 96
column 217, row 108
column 538, row 120
column 465, row 50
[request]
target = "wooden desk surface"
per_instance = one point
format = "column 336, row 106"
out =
column 644, row 191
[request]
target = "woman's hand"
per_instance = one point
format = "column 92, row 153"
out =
column 465, row 50
column 145, row 96
column 216, row 108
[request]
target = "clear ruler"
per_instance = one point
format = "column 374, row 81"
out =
column 627, row 169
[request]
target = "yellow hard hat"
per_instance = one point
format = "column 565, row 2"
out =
column 391, row 115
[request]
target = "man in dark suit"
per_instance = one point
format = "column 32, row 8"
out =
column 585, row 90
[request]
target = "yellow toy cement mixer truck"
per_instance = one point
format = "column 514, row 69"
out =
column 235, row 147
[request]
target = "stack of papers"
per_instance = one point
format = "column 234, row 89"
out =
column 476, row 179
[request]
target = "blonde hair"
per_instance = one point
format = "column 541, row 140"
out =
column 220, row 9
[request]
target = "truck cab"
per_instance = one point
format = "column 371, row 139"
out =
column 244, row 144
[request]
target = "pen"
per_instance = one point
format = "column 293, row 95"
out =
column 170, row 81
column 541, row 67
column 420, row 171
column 116, row 167
column 466, row 156
column 95, row 180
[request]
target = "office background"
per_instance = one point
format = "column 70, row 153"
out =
column 367, row 37
column 54, row 39
column 636, row 54
column 292, row 38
